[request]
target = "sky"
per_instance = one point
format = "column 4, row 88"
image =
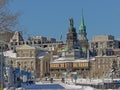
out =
column 50, row 18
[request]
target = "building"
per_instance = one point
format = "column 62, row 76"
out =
column 70, row 59
column 101, row 67
column 44, row 42
column 16, row 40
column 33, row 59
column 104, row 45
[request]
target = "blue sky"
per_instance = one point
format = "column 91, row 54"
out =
column 50, row 18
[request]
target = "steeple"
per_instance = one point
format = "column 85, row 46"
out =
column 82, row 25
column 82, row 36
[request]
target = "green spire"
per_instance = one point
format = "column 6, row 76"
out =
column 82, row 25
column 82, row 21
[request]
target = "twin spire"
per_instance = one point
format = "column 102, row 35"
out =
column 82, row 19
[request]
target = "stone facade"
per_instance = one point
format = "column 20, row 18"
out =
column 59, row 68
column 103, row 45
column 101, row 67
column 44, row 42
column 30, row 58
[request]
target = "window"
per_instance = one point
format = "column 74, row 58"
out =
column 98, row 66
column 74, row 64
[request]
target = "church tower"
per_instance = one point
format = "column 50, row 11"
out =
column 71, row 35
column 82, row 36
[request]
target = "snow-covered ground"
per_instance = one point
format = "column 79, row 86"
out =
column 72, row 86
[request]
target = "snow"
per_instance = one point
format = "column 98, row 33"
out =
column 59, row 60
column 66, row 59
column 41, row 54
column 73, row 86
column 70, row 85
column 9, row 54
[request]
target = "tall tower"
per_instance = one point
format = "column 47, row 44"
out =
column 82, row 36
column 71, row 35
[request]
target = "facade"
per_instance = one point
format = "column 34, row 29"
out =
column 104, row 45
column 29, row 58
column 41, row 40
column 101, row 67
column 16, row 40
column 47, row 43
column 61, row 66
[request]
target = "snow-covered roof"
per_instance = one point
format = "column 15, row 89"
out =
column 106, row 56
column 9, row 54
column 25, row 47
column 70, row 61
column 41, row 54
column 31, row 47
column 64, row 59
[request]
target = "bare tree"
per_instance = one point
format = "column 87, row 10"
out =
column 115, row 70
column 8, row 21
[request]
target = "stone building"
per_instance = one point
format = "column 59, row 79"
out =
column 61, row 66
column 70, row 59
column 44, row 42
column 16, row 40
column 29, row 58
column 101, row 67
column 104, row 45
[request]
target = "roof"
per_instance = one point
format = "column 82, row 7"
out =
column 42, row 54
column 31, row 47
column 70, row 61
column 25, row 47
column 62, row 60
column 17, row 36
column 9, row 54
